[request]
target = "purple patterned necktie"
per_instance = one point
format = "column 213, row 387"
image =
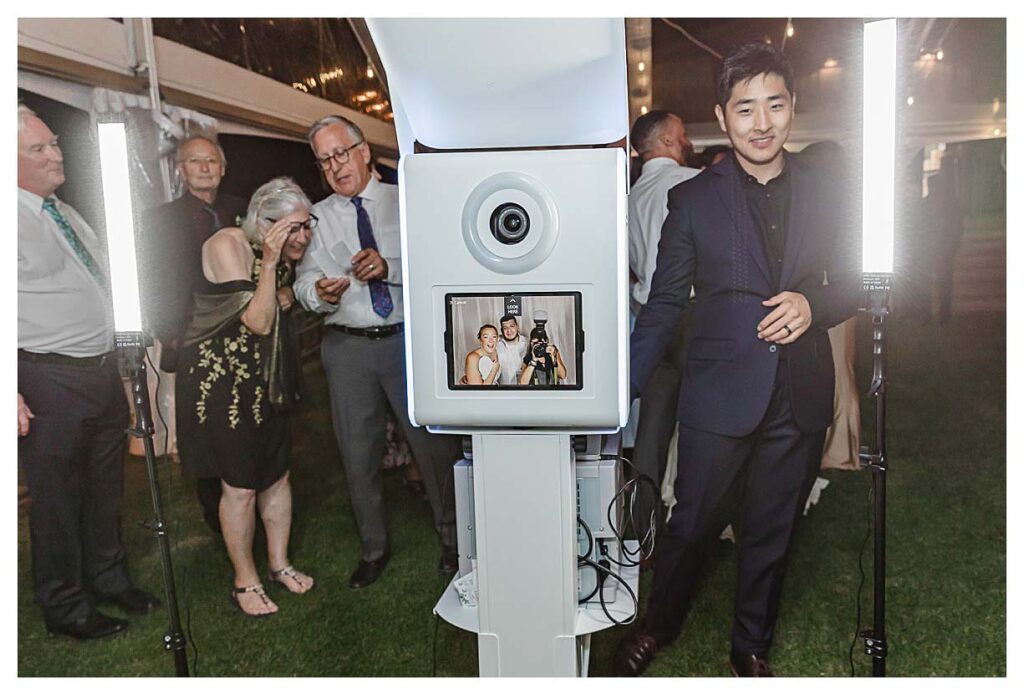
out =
column 380, row 296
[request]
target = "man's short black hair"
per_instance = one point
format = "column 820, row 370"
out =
column 647, row 128
column 749, row 61
column 508, row 317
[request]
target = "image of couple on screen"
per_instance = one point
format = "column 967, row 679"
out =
column 506, row 357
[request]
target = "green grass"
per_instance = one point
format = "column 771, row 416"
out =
column 946, row 556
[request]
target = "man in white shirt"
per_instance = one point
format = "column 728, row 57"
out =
column 511, row 351
column 352, row 272
column 72, row 411
column 661, row 140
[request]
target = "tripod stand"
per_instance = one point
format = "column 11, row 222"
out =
column 879, row 289
column 133, row 348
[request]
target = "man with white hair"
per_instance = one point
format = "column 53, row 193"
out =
column 72, row 410
column 172, row 262
column 363, row 350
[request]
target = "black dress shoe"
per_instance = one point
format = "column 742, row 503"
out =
column 749, row 665
column 634, row 654
column 132, row 600
column 449, row 563
column 367, row 572
column 94, row 626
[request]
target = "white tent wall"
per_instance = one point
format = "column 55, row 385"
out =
column 98, row 52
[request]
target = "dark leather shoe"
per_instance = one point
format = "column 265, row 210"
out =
column 95, row 626
column 132, row 600
column 634, row 654
column 749, row 665
column 449, row 563
column 367, row 572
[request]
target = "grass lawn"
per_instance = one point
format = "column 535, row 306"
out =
column 946, row 556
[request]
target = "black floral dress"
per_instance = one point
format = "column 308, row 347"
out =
column 234, row 388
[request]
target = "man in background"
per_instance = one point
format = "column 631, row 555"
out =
column 173, row 262
column 512, row 348
column 661, row 140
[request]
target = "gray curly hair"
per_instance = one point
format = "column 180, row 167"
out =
column 275, row 199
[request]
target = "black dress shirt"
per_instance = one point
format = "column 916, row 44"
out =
column 769, row 206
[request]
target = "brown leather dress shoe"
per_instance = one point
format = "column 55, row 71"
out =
column 749, row 665
column 634, row 654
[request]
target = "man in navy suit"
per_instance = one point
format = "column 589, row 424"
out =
column 761, row 240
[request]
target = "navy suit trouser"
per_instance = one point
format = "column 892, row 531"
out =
column 759, row 483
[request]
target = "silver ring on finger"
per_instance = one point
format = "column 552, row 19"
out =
column 789, row 331
column 371, row 266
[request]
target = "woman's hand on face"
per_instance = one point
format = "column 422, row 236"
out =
column 273, row 241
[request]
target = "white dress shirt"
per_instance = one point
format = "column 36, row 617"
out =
column 510, row 359
column 338, row 225
column 648, row 208
column 61, row 308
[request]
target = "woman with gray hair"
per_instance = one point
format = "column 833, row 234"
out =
column 239, row 380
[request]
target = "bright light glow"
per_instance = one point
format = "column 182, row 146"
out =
column 643, row 109
column 117, row 206
column 910, row 101
column 940, row 55
column 369, row 73
column 831, row 63
column 879, row 150
column 640, row 66
column 789, row 30
column 997, row 131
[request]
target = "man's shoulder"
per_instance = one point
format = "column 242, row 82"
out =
column 690, row 186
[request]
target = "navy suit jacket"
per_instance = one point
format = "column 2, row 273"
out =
column 710, row 241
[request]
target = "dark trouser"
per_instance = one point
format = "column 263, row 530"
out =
column 364, row 376
column 765, row 477
column 655, row 427
column 73, row 457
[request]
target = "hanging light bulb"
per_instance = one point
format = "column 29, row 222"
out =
column 789, row 29
column 910, row 101
column 369, row 72
column 643, row 110
column 940, row 55
column 641, row 66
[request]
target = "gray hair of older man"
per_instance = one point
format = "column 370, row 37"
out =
column 24, row 113
column 353, row 130
column 275, row 199
column 199, row 136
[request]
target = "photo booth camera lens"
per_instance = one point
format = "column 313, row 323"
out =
column 509, row 223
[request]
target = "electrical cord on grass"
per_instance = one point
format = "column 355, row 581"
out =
column 863, row 578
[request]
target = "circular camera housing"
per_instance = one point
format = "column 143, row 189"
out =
column 510, row 223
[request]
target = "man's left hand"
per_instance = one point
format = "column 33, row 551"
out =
column 788, row 321
column 369, row 265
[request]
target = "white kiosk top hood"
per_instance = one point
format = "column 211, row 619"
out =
column 504, row 83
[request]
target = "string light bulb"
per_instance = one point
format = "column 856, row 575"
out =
column 940, row 54
column 643, row 110
column 789, row 29
column 369, row 72
column 641, row 66
column 910, row 101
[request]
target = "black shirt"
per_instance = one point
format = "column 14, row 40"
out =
column 769, row 206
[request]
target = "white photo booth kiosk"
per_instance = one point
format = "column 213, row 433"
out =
column 513, row 180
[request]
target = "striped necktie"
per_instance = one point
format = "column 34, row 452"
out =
column 50, row 206
column 380, row 296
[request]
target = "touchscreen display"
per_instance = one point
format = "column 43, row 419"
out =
column 514, row 341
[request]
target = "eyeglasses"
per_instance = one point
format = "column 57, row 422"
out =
column 341, row 157
column 196, row 161
column 295, row 227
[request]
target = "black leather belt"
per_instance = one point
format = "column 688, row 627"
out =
column 373, row 332
column 95, row 362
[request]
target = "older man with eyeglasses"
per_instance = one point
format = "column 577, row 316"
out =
column 353, row 274
column 172, row 260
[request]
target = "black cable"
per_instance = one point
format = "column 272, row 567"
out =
column 585, row 556
column 643, row 551
column 863, row 578
column 603, row 574
column 590, row 536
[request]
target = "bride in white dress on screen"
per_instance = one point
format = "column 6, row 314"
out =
column 482, row 363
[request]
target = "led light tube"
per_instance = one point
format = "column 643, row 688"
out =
column 117, row 207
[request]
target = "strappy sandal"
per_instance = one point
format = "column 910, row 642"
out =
column 291, row 573
column 254, row 589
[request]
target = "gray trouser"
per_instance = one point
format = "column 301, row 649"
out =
column 363, row 375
